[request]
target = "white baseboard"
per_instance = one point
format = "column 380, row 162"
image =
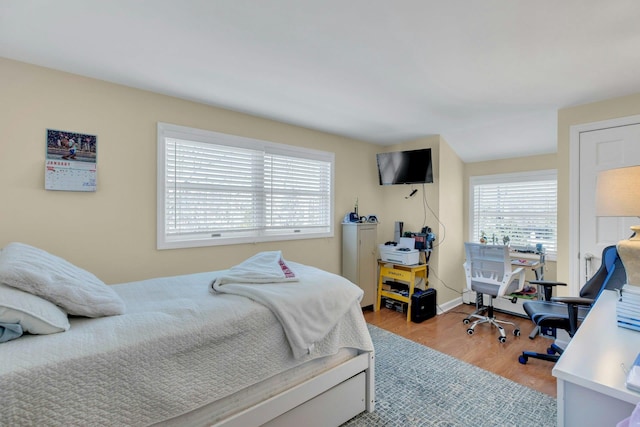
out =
column 443, row 308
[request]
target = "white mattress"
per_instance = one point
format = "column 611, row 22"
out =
column 177, row 348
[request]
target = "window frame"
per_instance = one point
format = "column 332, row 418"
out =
column 507, row 178
column 166, row 130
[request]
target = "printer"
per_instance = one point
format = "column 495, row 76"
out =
column 404, row 253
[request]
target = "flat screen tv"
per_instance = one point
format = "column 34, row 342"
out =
column 405, row 167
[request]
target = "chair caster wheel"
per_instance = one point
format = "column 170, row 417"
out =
column 523, row 359
column 516, row 332
column 470, row 331
column 502, row 339
column 466, row 321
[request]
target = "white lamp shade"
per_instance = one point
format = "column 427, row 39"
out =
column 618, row 192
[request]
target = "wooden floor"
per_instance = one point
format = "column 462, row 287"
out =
column 448, row 334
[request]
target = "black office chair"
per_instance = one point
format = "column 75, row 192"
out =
column 567, row 312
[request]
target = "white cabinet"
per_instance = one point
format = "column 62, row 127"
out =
column 359, row 258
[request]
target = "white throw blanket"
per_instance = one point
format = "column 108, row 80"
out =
column 264, row 267
column 308, row 303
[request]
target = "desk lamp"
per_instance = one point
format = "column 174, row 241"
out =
column 618, row 195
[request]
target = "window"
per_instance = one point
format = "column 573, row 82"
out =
column 218, row 189
column 520, row 208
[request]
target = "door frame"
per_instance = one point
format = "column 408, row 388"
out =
column 574, row 190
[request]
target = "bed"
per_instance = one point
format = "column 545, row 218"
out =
column 182, row 355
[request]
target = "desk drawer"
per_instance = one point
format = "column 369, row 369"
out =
column 395, row 274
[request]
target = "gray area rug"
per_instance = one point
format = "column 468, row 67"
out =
column 419, row 386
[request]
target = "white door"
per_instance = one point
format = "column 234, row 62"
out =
column 601, row 150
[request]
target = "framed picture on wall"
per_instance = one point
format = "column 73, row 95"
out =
column 71, row 161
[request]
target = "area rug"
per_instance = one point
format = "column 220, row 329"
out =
column 419, row 386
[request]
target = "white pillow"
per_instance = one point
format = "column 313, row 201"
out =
column 77, row 291
column 34, row 314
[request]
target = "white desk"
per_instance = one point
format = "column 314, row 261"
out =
column 535, row 265
column 590, row 377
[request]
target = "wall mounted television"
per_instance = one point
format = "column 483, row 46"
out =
column 405, row 167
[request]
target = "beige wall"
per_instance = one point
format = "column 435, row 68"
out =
column 449, row 274
column 567, row 117
column 112, row 232
column 437, row 205
column 397, row 207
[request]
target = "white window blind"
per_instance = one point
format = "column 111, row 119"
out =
column 521, row 207
column 218, row 189
column 297, row 193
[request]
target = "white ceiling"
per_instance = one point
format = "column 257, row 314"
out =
column 489, row 76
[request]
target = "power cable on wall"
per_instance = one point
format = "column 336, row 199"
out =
column 424, row 221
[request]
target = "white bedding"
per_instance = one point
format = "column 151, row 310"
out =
column 307, row 309
column 177, row 348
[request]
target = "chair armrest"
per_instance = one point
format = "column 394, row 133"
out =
column 547, row 283
column 548, row 286
column 572, row 309
column 573, row 300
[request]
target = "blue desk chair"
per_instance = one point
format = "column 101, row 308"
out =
column 567, row 312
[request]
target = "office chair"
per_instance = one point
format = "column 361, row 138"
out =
column 489, row 272
column 567, row 312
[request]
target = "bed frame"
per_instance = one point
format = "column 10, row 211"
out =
column 347, row 389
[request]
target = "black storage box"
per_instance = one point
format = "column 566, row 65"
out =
column 423, row 305
column 399, row 306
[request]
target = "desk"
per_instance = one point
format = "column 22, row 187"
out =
column 405, row 273
column 534, row 265
column 537, row 266
column 590, row 377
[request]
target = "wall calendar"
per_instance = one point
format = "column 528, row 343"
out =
column 71, row 161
